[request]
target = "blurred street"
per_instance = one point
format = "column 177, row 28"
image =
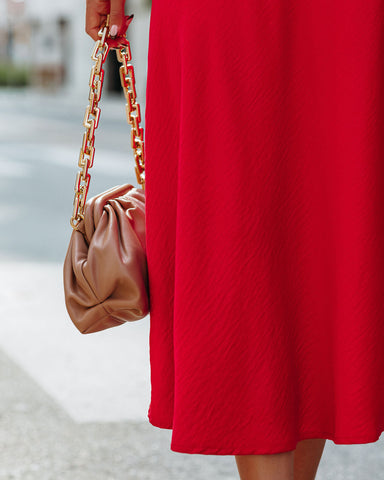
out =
column 73, row 406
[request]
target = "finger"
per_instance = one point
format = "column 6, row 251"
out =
column 116, row 15
column 95, row 15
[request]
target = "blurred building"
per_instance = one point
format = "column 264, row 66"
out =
column 46, row 41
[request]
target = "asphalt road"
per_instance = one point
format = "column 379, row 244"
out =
column 40, row 138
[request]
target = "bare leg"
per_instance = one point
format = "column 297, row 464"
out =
column 275, row 466
column 307, row 458
column 299, row 464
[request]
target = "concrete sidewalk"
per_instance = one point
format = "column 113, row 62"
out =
column 75, row 406
column 39, row 441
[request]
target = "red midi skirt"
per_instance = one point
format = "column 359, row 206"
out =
column 264, row 150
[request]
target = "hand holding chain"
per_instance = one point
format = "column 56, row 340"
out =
column 92, row 116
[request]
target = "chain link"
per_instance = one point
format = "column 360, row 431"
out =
column 92, row 116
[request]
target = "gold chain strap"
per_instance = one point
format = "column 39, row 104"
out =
column 92, row 116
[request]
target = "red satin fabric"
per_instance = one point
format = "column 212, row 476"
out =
column 120, row 40
column 264, row 146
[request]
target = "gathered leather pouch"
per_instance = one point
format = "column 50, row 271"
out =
column 105, row 269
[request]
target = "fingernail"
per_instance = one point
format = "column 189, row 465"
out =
column 113, row 30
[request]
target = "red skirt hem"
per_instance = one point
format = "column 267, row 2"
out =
column 276, row 448
column 271, row 449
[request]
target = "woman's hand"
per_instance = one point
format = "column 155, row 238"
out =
column 96, row 16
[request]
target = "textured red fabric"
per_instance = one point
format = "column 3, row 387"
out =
column 265, row 227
